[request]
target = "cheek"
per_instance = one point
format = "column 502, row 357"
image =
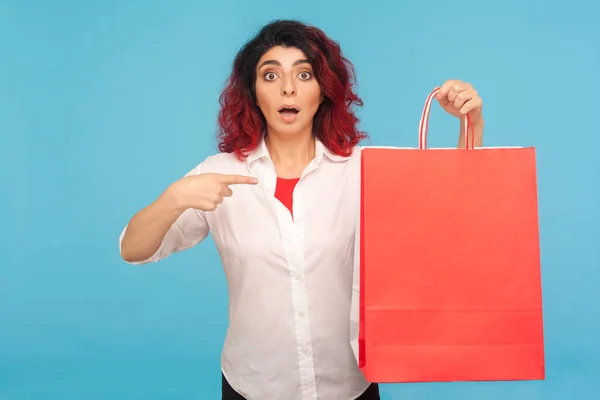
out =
column 265, row 97
column 315, row 97
column 315, row 90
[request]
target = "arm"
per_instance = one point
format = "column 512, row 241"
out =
column 160, row 229
column 167, row 225
column 176, row 220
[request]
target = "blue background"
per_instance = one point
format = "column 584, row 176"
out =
column 104, row 103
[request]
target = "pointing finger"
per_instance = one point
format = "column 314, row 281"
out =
column 238, row 180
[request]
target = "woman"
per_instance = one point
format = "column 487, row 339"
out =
column 280, row 200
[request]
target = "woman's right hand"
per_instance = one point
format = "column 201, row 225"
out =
column 206, row 191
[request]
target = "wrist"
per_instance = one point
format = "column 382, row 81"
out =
column 173, row 200
column 476, row 120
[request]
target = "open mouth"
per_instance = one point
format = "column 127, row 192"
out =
column 288, row 110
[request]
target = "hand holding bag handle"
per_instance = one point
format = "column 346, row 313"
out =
column 424, row 124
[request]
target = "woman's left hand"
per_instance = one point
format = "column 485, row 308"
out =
column 458, row 98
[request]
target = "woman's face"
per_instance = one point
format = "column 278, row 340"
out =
column 287, row 91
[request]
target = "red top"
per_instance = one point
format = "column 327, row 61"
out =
column 284, row 192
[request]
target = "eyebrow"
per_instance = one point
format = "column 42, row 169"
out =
column 275, row 62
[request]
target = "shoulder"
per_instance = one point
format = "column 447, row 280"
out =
column 356, row 153
column 222, row 163
column 356, row 150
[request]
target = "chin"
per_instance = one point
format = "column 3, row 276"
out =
column 292, row 129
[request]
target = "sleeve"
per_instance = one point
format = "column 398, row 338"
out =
column 190, row 228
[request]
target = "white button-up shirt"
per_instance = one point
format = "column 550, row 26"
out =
column 290, row 279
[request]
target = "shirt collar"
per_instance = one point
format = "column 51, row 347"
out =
column 321, row 150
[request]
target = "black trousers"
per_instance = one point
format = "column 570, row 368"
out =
column 227, row 392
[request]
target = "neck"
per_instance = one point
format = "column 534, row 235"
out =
column 290, row 153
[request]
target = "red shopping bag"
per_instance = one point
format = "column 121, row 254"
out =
column 450, row 286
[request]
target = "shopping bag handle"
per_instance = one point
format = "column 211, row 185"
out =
column 424, row 124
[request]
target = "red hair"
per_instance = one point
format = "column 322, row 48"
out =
column 241, row 123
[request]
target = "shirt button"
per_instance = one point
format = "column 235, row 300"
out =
column 300, row 313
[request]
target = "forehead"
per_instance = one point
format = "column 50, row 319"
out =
column 286, row 56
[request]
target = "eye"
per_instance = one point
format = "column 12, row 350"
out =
column 305, row 75
column 269, row 76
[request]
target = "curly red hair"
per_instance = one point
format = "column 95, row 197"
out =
column 241, row 123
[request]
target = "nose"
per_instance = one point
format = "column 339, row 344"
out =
column 288, row 88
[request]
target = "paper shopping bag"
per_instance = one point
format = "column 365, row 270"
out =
column 449, row 285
